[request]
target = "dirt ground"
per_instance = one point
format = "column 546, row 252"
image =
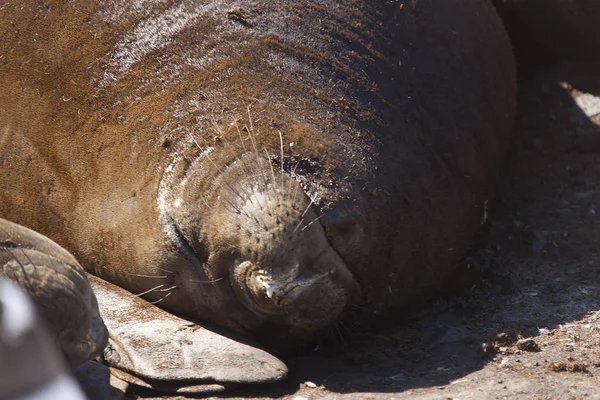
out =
column 530, row 329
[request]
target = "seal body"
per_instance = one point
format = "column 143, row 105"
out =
column 552, row 30
column 252, row 165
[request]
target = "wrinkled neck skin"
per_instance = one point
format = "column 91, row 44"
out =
column 249, row 245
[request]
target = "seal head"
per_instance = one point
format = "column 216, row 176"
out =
column 259, row 234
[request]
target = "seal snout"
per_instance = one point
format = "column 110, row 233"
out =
column 307, row 295
column 287, row 271
column 261, row 230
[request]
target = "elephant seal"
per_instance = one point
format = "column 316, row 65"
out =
column 357, row 181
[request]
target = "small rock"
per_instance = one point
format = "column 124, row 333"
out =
column 588, row 103
column 310, row 384
column 528, row 344
column 567, row 366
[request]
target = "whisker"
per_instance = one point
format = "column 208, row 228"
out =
column 312, row 222
column 205, row 202
column 213, row 281
column 343, row 326
column 149, row 276
column 230, row 146
column 292, row 181
column 218, row 168
column 164, row 270
column 281, row 157
column 245, row 151
column 298, row 226
column 168, row 289
column 271, row 166
column 302, row 216
column 161, row 299
column 342, row 341
column 149, row 290
column 312, row 200
column 253, row 141
column 231, row 204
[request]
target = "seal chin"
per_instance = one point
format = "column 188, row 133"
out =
column 306, row 297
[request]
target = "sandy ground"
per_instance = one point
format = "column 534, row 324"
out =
column 530, row 329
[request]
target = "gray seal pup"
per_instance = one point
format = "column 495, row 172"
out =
column 356, row 182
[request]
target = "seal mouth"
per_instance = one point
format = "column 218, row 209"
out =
column 277, row 289
column 283, row 288
column 309, row 297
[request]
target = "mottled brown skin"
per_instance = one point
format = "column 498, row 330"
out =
column 552, row 30
column 118, row 139
column 59, row 289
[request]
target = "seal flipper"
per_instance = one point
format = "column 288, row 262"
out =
column 58, row 286
column 151, row 348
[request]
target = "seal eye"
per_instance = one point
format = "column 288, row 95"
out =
column 182, row 243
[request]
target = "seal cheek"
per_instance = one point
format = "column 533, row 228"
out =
column 316, row 299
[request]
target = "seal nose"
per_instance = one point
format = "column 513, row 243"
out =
column 305, row 296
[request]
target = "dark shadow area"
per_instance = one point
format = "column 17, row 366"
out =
column 545, row 31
